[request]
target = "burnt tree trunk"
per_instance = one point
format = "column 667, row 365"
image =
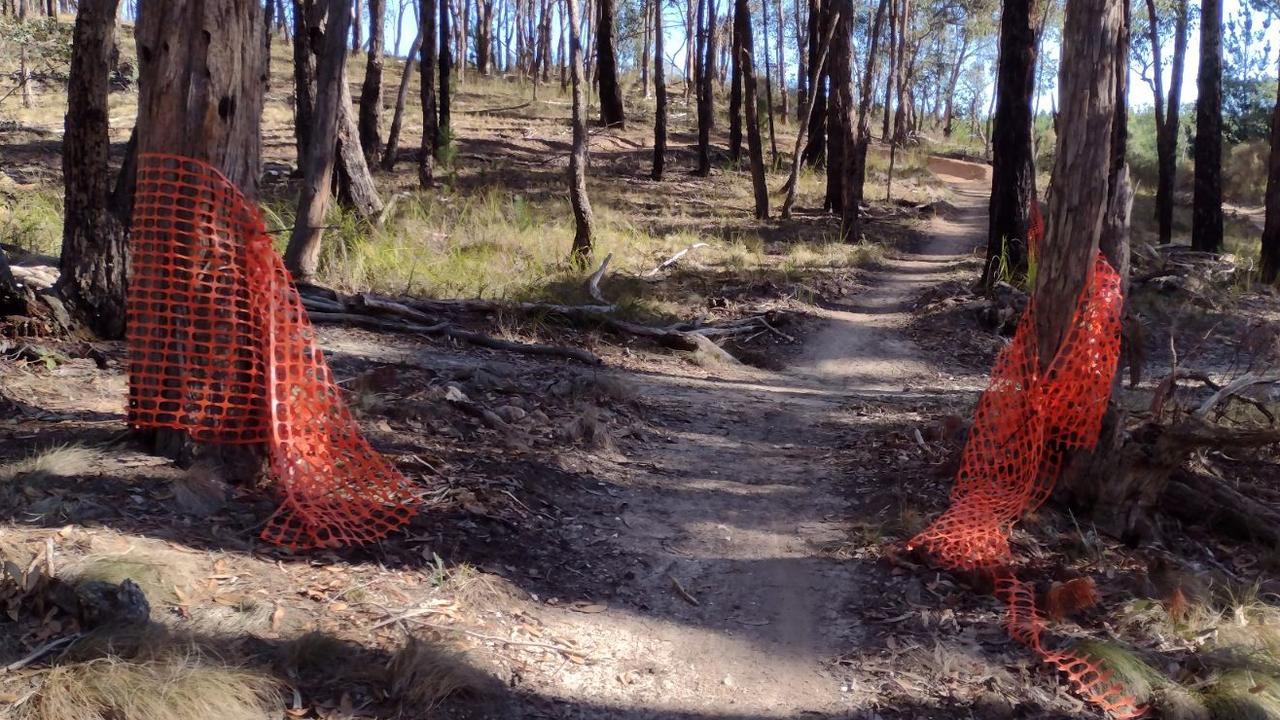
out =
column 735, row 95
column 484, row 36
column 444, row 131
column 660, row 91
column 302, row 256
column 856, row 152
column 94, row 233
column 1013, row 160
column 703, row 81
column 1167, row 122
column 582, row 217
column 1206, row 211
column 427, row 74
column 1271, row 232
column 371, row 89
column 840, row 103
column 755, row 146
column 304, row 73
column 815, row 150
column 402, row 96
column 611, row 111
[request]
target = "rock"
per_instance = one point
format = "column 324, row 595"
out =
column 103, row 603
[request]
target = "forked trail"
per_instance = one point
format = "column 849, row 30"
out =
column 731, row 605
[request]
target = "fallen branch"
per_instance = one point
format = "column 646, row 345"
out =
column 593, row 283
column 1234, row 388
column 674, row 259
column 682, row 592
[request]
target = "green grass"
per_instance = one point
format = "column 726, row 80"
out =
column 32, row 221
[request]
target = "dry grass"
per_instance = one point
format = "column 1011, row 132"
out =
column 148, row 674
column 57, row 461
column 422, row 674
column 161, row 574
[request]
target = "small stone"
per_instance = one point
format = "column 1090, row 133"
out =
column 728, row 681
column 511, row 413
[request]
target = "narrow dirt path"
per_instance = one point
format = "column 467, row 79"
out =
column 733, row 609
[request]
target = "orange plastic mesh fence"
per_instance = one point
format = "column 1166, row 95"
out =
column 220, row 346
column 1026, row 424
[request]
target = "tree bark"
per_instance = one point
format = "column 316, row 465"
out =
column 785, row 98
column 891, row 79
column 356, row 188
column 1167, row 143
column 660, row 91
column 402, row 96
column 578, row 158
column 1084, row 187
column 839, row 103
column 709, row 62
column 355, row 28
column 802, row 71
column 444, row 132
column 371, row 89
column 95, row 231
column 703, row 79
column 904, row 76
column 815, row 151
column 302, row 256
column 755, row 149
column 1271, row 232
column 304, row 74
column 484, row 36
column 427, row 73
column 644, row 46
column 856, row 152
column 768, row 82
column 735, row 95
column 952, row 81
column 1206, row 211
column 1013, row 161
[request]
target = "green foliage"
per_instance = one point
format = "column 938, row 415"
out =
column 32, row 221
column 48, row 44
column 1248, row 87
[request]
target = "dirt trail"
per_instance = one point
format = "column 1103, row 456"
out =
column 730, row 608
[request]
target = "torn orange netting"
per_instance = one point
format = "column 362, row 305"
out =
column 221, row 347
column 1026, row 425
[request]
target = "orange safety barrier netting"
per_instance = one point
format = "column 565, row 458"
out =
column 220, row 346
column 1026, row 424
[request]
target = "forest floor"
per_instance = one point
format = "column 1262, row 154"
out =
column 663, row 535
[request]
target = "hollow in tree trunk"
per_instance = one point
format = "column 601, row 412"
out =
column 1206, row 210
column 95, row 230
column 660, row 91
column 302, row 256
column 1013, row 161
column 371, row 89
column 582, row 218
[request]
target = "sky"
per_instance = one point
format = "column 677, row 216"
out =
column 1140, row 93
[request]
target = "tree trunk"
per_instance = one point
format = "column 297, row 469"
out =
column 484, row 36
column 1167, row 142
column 709, row 63
column 693, row 29
column 755, row 150
column 644, row 46
column 856, row 152
column 302, row 256
column 304, row 74
column 356, row 189
column 1206, row 211
column 660, row 91
column 949, row 101
column 905, row 72
column 464, row 32
column 703, row 78
column 840, row 102
column 768, row 82
column 1271, row 232
column 24, row 73
column 735, row 95
column 94, row 232
column 356, row 34
column 891, row 81
column 815, row 150
column 582, row 236
column 393, row 136
column 201, row 80
column 1013, row 160
column 371, row 90
column 427, row 73
column 13, row 299
column 1085, row 185
column 444, row 131
column 802, row 72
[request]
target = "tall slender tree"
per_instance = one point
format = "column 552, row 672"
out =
column 397, row 119
column 660, row 91
column 329, row 37
column 371, row 88
column 755, row 147
column 815, row 150
column 444, row 132
column 1013, row 158
column 735, row 95
column 1271, row 230
column 703, row 79
column 856, row 151
column 611, row 110
column 1167, row 113
column 839, row 102
column 427, row 63
column 1206, row 211
column 583, row 241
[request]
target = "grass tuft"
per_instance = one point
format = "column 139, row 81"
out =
column 57, row 461
column 422, row 674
